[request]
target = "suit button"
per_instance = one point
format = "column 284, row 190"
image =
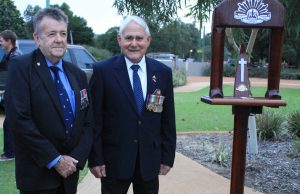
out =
column 135, row 141
column 139, row 122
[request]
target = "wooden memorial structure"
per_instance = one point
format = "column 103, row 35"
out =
column 267, row 14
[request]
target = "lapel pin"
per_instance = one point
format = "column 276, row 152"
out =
column 154, row 78
column 38, row 63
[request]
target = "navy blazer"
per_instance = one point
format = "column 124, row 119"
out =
column 35, row 117
column 120, row 132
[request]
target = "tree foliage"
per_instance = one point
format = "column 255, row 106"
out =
column 108, row 41
column 77, row 29
column 165, row 11
column 81, row 33
column 28, row 15
column 176, row 37
column 10, row 18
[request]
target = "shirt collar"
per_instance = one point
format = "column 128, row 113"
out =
column 142, row 64
column 59, row 64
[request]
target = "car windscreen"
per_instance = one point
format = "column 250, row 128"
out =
column 84, row 60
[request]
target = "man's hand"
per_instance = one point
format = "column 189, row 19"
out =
column 66, row 166
column 164, row 169
column 98, row 171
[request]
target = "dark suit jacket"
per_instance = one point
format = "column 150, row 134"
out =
column 121, row 133
column 34, row 115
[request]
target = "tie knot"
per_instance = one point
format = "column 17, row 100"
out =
column 54, row 69
column 135, row 68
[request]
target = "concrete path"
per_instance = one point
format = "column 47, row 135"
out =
column 197, row 83
column 186, row 177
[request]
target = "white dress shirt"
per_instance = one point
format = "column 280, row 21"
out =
column 142, row 72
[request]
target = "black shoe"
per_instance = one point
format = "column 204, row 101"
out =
column 3, row 158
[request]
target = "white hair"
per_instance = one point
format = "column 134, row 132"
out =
column 136, row 19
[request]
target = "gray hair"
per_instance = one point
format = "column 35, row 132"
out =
column 136, row 19
column 54, row 13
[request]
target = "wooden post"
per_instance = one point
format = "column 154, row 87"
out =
column 245, row 14
column 239, row 150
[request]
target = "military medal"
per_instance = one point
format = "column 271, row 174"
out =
column 84, row 101
column 154, row 78
column 155, row 101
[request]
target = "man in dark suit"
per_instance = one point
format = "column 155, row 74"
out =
column 48, row 111
column 8, row 41
column 133, row 105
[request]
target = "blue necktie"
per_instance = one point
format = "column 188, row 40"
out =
column 64, row 102
column 137, row 88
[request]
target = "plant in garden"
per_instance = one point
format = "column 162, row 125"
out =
column 221, row 154
column 179, row 78
column 269, row 125
column 293, row 123
column 297, row 146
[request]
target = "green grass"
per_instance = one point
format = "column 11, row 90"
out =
column 7, row 173
column 194, row 115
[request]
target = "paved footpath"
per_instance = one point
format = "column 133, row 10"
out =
column 186, row 177
column 196, row 83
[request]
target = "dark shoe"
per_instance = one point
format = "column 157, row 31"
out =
column 3, row 158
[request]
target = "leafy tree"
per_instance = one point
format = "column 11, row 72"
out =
column 166, row 11
column 177, row 38
column 10, row 18
column 28, row 15
column 291, row 52
column 108, row 41
column 77, row 29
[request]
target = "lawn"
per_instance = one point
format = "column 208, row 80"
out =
column 7, row 173
column 194, row 115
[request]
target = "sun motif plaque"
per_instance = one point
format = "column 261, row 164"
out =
column 252, row 12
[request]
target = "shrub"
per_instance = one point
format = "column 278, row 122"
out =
column 293, row 123
column 290, row 74
column 295, row 152
column 98, row 53
column 261, row 72
column 206, row 70
column 297, row 145
column 179, row 78
column 269, row 125
column 221, row 154
column 229, row 71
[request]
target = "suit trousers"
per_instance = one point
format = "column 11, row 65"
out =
column 116, row 186
column 8, row 141
column 59, row 190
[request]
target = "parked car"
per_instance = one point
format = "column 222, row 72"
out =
column 75, row 54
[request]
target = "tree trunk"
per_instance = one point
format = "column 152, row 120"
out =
column 234, row 48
